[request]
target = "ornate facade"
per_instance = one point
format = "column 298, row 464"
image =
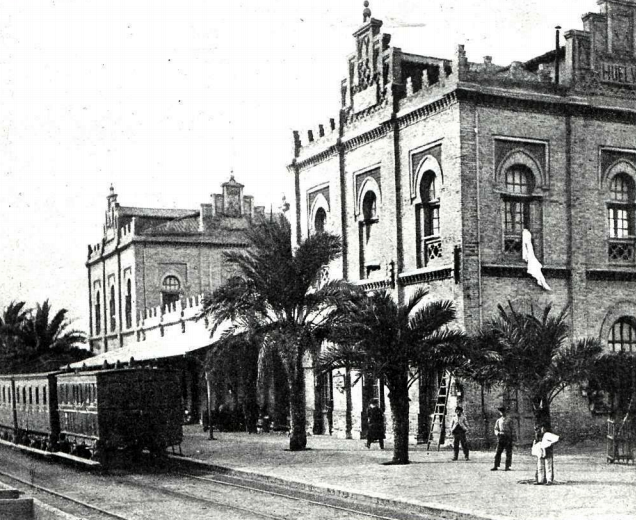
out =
column 434, row 168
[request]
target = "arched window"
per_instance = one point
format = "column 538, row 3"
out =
column 320, row 221
column 620, row 218
column 518, row 208
column 369, row 248
column 171, row 290
column 98, row 314
column 428, row 221
column 128, row 304
column 622, row 337
column 113, row 317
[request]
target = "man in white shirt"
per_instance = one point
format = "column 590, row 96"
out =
column 504, row 431
column 459, row 428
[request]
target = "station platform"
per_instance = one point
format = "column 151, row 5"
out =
column 586, row 488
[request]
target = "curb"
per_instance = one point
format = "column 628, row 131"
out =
column 431, row 509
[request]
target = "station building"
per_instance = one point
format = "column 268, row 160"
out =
column 146, row 281
column 431, row 172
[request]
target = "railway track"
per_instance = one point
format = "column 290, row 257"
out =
column 88, row 511
column 192, row 493
column 328, row 502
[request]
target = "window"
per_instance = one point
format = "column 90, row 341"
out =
column 128, row 304
column 622, row 337
column 44, row 395
column 37, row 396
column 98, row 314
column 113, row 318
column 369, row 247
column 620, row 219
column 30, row 395
column 428, row 221
column 24, row 399
column 320, row 221
column 170, row 294
column 517, row 207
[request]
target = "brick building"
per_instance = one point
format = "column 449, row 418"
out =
column 146, row 278
column 433, row 169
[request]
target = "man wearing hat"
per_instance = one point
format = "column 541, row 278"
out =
column 459, row 427
column 504, row 431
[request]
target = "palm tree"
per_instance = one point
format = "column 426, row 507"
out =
column 275, row 299
column 11, row 326
column 394, row 342
column 533, row 354
column 47, row 340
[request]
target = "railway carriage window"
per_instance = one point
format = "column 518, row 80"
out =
column 30, row 395
column 44, row 395
column 4, row 397
column 37, row 396
column 24, row 401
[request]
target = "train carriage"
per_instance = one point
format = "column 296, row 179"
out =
column 7, row 409
column 102, row 411
column 35, row 401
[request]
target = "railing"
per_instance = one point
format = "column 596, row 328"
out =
column 621, row 250
column 621, row 445
column 431, row 249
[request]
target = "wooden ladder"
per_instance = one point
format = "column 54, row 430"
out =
column 436, row 432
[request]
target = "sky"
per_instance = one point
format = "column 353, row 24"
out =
column 164, row 98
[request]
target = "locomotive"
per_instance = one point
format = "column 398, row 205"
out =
column 92, row 415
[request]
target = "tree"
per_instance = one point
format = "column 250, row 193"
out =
column 375, row 334
column 11, row 325
column 274, row 298
column 612, row 386
column 38, row 341
column 237, row 358
column 533, row 354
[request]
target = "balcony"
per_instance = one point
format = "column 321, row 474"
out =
column 431, row 249
column 621, row 250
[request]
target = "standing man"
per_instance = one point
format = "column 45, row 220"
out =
column 505, row 433
column 459, row 428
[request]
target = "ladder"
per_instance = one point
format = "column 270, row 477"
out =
column 436, row 432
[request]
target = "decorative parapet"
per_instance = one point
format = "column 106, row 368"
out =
column 426, row 275
column 94, row 250
column 185, row 309
column 373, row 285
column 128, row 231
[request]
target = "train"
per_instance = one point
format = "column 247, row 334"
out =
column 93, row 415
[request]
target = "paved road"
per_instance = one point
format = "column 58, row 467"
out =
column 153, row 492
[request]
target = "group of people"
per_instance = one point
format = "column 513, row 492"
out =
column 504, row 432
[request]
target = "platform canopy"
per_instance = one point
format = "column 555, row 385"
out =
column 175, row 344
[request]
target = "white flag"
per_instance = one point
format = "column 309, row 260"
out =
column 534, row 266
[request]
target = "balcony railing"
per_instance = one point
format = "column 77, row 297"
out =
column 431, row 249
column 621, row 250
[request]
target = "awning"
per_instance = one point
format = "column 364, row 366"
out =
column 196, row 337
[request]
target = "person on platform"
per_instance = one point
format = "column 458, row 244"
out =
column 504, row 431
column 459, row 428
column 375, row 423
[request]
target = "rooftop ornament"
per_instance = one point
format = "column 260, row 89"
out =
column 366, row 14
